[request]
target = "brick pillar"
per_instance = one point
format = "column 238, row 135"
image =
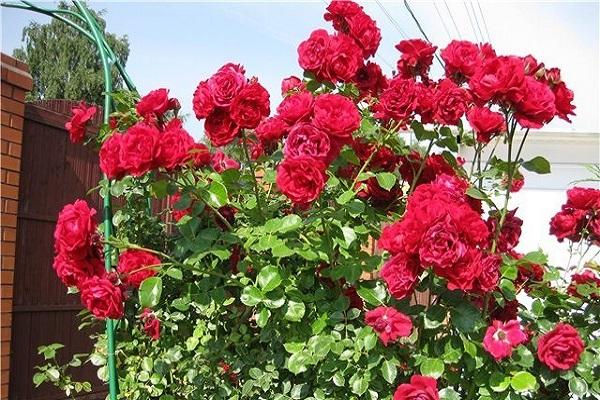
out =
column 16, row 81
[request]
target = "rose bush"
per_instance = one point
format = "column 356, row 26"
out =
column 339, row 248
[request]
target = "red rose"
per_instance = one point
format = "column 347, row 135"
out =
column 563, row 97
column 151, row 324
column 370, row 80
column 501, row 338
column 489, row 276
column 451, row 103
column 140, row 149
column 312, row 52
column 531, row 65
column 153, row 104
column 336, row 115
column 389, row 323
column 301, row 179
column 416, row 58
column 426, row 103
column 343, row 58
column 463, row 274
column 435, row 165
column 102, row 298
column 378, row 196
column 583, row 198
column 442, row 245
column 399, row 101
column 461, row 59
column 534, row 104
column 560, row 348
column 250, row 106
column 587, row 277
column 485, row 123
column 338, row 12
column 507, row 312
column 365, row 32
column 384, row 158
column 110, row 161
column 72, row 272
column 220, row 128
column 175, row 144
column 137, row 265
column 306, row 140
column 220, row 162
column 203, row 102
column 291, row 84
column 226, row 84
column 199, row 154
column 81, row 115
column 419, row 388
column 75, row 230
column 568, row 224
column 510, row 232
column 401, row 274
column 498, row 78
column 271, row 129
column 296, row 107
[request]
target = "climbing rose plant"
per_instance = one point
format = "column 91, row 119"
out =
column 339, row 248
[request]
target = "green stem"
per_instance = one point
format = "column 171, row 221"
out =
column 421, row 168
column 253, row 171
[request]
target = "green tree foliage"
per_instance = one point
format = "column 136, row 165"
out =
column 64, row 64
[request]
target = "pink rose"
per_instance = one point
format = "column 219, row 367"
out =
column 502, row 337
column 306, row 140
column 389, row 323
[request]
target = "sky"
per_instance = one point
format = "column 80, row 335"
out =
column 176, row 45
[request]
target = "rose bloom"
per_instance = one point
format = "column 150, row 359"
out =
column 401, row 274
column 587, row 277
column 203, row 102
column 110, row 161
column 338, row 12
column 485, row 123
column 416, row 58
column 370, row 80
column 151, row 324
column 399, row 101
column 154, row 103
column 426, row 103
column 505, row 313
column 199, row 154
column 301, row 179
column 489, row 276
column 291, row 84
column 502, row 337
column 140, row 149
column 250, row 106
column 137, row 265
column 497, row 78
column 220, row 128
column 312, row 51
column 226, row 84
column 81, row 115
column 342, row 60
column 567, row 224
column 534, row 104
column 451, row 103
column 441, row 245
column 419, row 388
column 365, row 32
column 175, row 144
column 220, row 162
column 270, row 130
column 560, row 348
column 296, row 107
column 384, row 158
column 102, row 298
column 510, row 232
column 336, row 115
column 306, row 140
column 583, row 198
column 563, row 97
column 389, row 323
column 378, row 196
column 72, row 272
column 464, row 273
column 461, row 59
column 75, row 229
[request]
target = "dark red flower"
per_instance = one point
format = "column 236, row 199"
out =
column 175, row 145
column 498, row 78
column 399, row 101
column 306, row 140
column 485, row 123
column 461, row 59
column 137, row 265
column 563, row 97
column 151, row 324
column 343, row 58
column 110, row 160
column 226, row 83
column 291, row 84
column 102, row 298
column 203, row 102
column 296, row 107
column 250, row 106
column 586, row 277
column 533, row 103
column 220, row 128
column 416, row 58
column 75, row 230
column 401, row 274
column 271, row 129
column 221, row 162
column 312, row 52
column 81, row 115
column 72, row 272
column 451, row 103
column 153, row 104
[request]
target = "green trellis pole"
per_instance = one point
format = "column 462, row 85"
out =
column 108, row 58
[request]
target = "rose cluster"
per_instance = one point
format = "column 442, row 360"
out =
column 82, row 114
column 230, row 102
column 579, row 217
column 152, row 142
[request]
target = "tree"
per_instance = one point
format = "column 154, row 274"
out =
column 64, row 64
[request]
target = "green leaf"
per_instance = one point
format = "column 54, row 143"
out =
column 538, row 165
column 150, row 291
column 39, row 378
column 499, row 382
column 217, row 194
column 349, row 235
column 421, row 133
column 450, row 394
column 251, row 296
column 269, row 278
column 386, row 180
column 578, row 386
column 359, row 383
column 374, row 296
column 345, row 197
column 159, row 188
column 523, row 381
column 476, row 193
column 263, row 317
column 389, row 371
column 289, row 223
column 535, row 257
column 465, row 316
column 174, row 273
column 433, row 367
column 295, row 311
column 297, row 362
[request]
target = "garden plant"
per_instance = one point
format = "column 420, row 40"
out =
column 337, row 247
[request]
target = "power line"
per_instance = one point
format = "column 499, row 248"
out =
column 484, row 22
column 476, row 21
column 471, row 21
column 421, row 30
column 392, row 20
column 453, row 21
column 443, row 23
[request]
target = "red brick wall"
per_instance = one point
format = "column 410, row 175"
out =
column 16, row 81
